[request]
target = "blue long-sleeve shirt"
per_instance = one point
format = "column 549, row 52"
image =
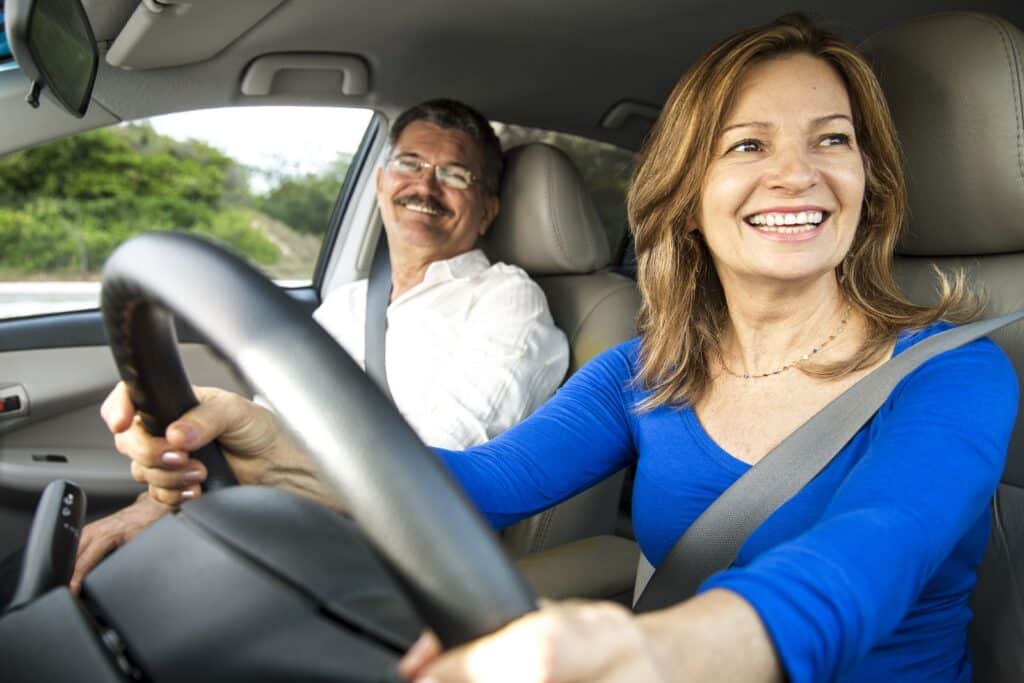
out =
column 862, row 576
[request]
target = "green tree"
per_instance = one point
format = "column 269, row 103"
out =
column 304, row 203
column 66, row 205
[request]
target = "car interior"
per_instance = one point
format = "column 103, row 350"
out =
column 953, row 74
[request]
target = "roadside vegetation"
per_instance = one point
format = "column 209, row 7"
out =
column 66, row 205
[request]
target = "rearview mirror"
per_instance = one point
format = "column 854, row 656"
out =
column 54, row 46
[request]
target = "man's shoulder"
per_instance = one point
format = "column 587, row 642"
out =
column 505, row 277
column 345, row 297
column 500, row 269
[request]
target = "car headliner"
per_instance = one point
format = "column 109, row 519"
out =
column 556, row 65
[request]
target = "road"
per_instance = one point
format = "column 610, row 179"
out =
column 19, row 299
column 32, row 298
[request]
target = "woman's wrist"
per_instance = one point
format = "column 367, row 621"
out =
column 699, row 640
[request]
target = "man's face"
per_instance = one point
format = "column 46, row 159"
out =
column 425, row 219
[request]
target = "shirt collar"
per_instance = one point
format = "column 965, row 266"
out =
column 458, row 267
column 463, row 266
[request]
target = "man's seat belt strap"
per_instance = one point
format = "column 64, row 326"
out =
column 378, row 296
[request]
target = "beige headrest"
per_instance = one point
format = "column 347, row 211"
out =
column 954, row 84
column 548, row 224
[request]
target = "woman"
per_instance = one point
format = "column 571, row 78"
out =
column 765, row 207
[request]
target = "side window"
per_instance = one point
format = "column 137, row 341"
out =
column 605, row 168
column 262, row 181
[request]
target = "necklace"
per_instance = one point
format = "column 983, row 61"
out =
column 801, row 359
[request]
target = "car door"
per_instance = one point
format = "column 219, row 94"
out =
column 270, row 183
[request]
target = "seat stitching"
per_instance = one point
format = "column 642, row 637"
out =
column 550, row 179
column 612, row 292
column 546, row 519
column 580, row 206
column 1010, row 52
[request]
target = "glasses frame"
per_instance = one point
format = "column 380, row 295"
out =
column 439, row 169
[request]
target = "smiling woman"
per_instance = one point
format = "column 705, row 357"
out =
column 744, row 162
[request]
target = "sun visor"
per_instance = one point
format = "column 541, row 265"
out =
column 172, row 33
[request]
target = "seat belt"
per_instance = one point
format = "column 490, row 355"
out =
column 713, row 541
column 378, row 296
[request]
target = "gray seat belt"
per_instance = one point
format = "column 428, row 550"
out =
column 378, row 296
column 713, row 541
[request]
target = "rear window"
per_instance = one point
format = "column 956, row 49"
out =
column 605, row 168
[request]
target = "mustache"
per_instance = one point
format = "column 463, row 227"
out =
column 431, row 203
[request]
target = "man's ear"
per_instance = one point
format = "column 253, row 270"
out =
column 380, row 179
column 491, row 207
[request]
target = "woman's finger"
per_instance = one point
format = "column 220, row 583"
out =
column 117, row 410
column 137, row 444
column 219, row 412
column 172, row 497
column 424, row 651
column 178, row 479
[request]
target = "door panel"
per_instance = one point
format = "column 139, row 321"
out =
column 62, row 436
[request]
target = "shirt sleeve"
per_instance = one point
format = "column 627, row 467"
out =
column 342, row 315
column 579, row 437
column 829, row 595
column 509, row 358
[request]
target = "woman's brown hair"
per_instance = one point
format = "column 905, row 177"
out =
column 684, row 311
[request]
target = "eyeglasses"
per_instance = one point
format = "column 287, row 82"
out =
column 455, row 177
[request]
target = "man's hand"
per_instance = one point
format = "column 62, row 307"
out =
column 105, row 535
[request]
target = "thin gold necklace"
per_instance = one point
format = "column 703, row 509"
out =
column 807, row 356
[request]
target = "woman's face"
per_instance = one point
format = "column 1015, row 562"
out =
column 783, row 193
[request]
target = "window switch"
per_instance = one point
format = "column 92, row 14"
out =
column 10, row 403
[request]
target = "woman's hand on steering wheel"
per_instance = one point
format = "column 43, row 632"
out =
column 251, row 437
column 567, row 641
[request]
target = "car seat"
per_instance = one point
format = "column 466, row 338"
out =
column 954, row 83
column 548, row 225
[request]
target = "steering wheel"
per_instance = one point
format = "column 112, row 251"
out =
column 448, row 561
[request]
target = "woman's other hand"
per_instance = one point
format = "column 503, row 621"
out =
column 569, row 641
column 716, row 636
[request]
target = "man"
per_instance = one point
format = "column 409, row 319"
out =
column 470, row 346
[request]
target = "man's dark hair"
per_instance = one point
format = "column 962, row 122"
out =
column 453, row 114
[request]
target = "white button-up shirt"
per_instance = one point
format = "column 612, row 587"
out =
column 470, row 351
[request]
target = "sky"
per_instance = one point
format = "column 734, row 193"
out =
column 281, row 139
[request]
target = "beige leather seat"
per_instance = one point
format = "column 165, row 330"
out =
column 548, row 226
column 955, row 83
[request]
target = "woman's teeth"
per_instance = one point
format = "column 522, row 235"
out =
column 787, row 223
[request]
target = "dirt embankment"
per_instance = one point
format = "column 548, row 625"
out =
column 299, row 251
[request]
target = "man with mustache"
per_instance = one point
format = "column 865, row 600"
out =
column 471, row 348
